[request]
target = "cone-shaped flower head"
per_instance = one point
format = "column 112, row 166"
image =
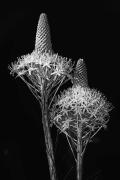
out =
column 43, row 40
column 80, row 74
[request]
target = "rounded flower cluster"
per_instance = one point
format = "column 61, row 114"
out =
column 88, row 106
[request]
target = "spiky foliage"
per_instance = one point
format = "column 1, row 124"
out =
column 87, row 106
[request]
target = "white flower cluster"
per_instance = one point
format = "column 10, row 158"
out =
column 88, row 105
column 45, row 65
column 78, row 96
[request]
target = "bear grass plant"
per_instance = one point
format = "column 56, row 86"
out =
column 42, row 73
column 79, row 112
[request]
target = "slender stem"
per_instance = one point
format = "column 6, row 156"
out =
column 55, row 92
column 79, row 150
column 48, row 141
column 88, row 139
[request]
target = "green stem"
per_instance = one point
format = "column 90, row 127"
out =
column 48, row 140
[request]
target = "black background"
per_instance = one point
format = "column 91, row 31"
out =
column 78, row 30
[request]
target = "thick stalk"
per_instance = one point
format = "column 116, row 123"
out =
column 79, row 151
column 48, row 141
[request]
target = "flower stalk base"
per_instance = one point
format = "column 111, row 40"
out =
column 48, row 142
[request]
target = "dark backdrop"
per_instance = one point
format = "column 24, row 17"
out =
column 78, row 30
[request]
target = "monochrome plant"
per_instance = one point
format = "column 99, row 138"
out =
column 79, row 111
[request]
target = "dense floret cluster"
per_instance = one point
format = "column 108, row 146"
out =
column 41, row 67
column 88, row 106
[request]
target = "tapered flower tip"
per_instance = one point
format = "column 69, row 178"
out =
column 43, row 39
column 80, row 74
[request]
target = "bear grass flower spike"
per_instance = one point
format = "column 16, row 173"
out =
column 79, row 111
column 43, row 66
column 42, row 70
